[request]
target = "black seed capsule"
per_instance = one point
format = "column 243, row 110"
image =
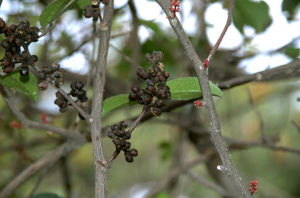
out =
column 129, row 157
column 24, row 71
column 134, row 152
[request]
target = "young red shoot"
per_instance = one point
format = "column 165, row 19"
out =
column 253, row 187
column 198, row 103
column 175, row 7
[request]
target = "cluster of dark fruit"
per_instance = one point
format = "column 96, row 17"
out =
column 17, row 36
column 156, row 93
column 76, row 91
column 52, row 73
column 94, row 9
column 62, row 102
column 120, row 138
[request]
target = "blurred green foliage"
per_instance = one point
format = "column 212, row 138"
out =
column 278, row 172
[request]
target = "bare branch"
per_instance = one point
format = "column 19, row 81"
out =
column 99, row 82
column 138, row 120
column 161, row 185
column 257, row 112
column 125, row 56
column 296, row 125
column 28, row 123
column 52, row 157
column 86, row 116
column 239, row 145
column 277, row 73
column 228, row 22
column 205, row 182
column 202, row 75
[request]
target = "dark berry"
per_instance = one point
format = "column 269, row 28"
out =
column 43, row 85
column 111, row 134
column 57, row 74
column 24, row 71
column 142, row 73
column 5, row 44
column 127, row 145
column 134, row 152
column 88, row 11
column 132, row 96
column 2, row 25
column 156, row 111
column 128, row 157
column 34, row 58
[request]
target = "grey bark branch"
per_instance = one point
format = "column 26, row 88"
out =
column 228, row 22
column 28, row 123
column 202, row 75
column 174, row 174
column 99, row 82
column 205, row 182
column 52, row 157
column 277, row 73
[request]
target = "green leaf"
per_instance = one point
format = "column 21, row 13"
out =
column 188, row 88
column 166, row 149
column 254, row 14
column 54, row 10
column 25, row 85
column 115, row 102
column 292, row 52
column 162, row 195
column 181, row 89
column 82, row 3
column 290, row 8
column 153, row 26
column 46, row 195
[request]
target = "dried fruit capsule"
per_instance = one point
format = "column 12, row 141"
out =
column 128, row 157
column 134, row 152
column 24, row 71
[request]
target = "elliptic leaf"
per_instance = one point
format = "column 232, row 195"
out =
column 254, row 14
column 181, row 89
column 153, row 26
column 25, row 85
column 114, row 102
column 54, row 10
column 188, row 88
column 162, row 195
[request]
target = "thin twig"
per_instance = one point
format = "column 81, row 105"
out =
column 228, row 22
column 277, row 73
column 240, row 145
column 296, row 125
column 52, row 157
column 215, row 127
column 49, row 28
column 86, row 116
column 138, row 119
column 205, row 182
column 28, row 123
column 113, row 157
column 161, row 185
column 125, row 56
column 40, row 179
column 257, row 112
